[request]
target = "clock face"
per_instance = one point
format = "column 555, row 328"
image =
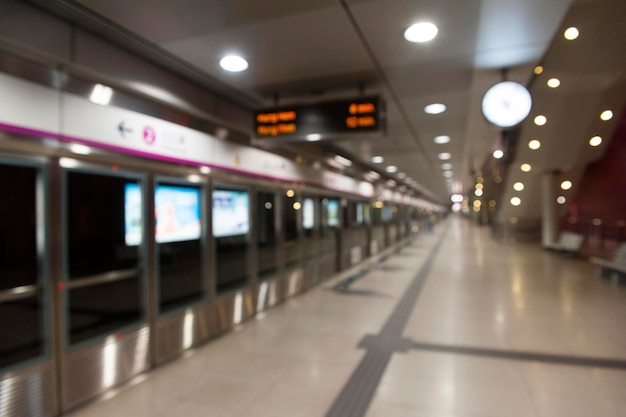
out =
column 506, row 104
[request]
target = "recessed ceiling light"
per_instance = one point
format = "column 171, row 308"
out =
column 498, row 153
column 525, row 167
column 541, row 120
column 401, row 175
column 391, row 168
column 435, row 108
column 80, row 149
column 101, row 94
column 448, row 174
column 571, row 33
column 421, row 32
column 516, row 201
column 534, row 144
column 233, row 63
column 606, row 115
column 313, row 137
column 553, row 82
column 566, row 185
column 444, row 156
column 377, row 159
column 595, row 141
column 446, row 166
column 478, row 193
column 479, row 186
column 441, row 139
column 518, row 186
column 343, row 161
column 561, row 200
column 538, row 69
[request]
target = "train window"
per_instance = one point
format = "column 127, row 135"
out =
column 267, row 237
column 231, row 230
column 178, row 233
column 18, row 228
column 21, row 309
column 104, row 229
column 104, row 223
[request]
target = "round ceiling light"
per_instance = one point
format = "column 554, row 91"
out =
column 595, row 141
column 313, row 137
column 525, row 167
column 421, row 32
column 391, row 168
column 233, row 63
column 606, row 115
column 518, row 186
column 441, row 139
column 377, row 159
column 516, row 201
column 553, row 82
column 444, row 156
column 566, row 185
column 571, row 33
column 498, row 154
column 538, row 69
column 534, row 144
column 541, row 120
column 446, row 166
column 561, row 199
column 435, row 108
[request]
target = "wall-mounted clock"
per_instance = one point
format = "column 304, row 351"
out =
column 506, row 104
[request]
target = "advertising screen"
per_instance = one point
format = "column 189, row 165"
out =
column 387, row 213
column 332, row 213
column 359, row 213
column 230, row 213
column 132, row 214
column 177, row 211
column 308, row 214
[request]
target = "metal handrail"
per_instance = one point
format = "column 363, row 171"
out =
column 18, row 293
column 110, row 276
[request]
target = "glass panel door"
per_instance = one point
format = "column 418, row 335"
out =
column 22, row 295
column 231, row 231
column 104, row 219
column 178, row 212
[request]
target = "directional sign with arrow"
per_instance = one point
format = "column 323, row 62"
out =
column 123, row 129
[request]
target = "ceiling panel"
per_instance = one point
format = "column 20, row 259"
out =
column 314, row 51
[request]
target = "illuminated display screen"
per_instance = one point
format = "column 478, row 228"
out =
column 359, row 213
column 132, row 214
column 177, row 211
column 360, row 115
column 308, row 214
column 332, row 213
column 230, row 213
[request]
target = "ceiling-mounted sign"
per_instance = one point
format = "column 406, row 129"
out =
column 328, row 119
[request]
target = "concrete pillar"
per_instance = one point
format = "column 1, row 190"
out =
column 549, row 220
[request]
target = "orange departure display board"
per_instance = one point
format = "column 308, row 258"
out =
column 334, row 118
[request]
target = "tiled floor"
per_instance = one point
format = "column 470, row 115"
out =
column 499, row 299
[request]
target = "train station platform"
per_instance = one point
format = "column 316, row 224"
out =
column 454, row 324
